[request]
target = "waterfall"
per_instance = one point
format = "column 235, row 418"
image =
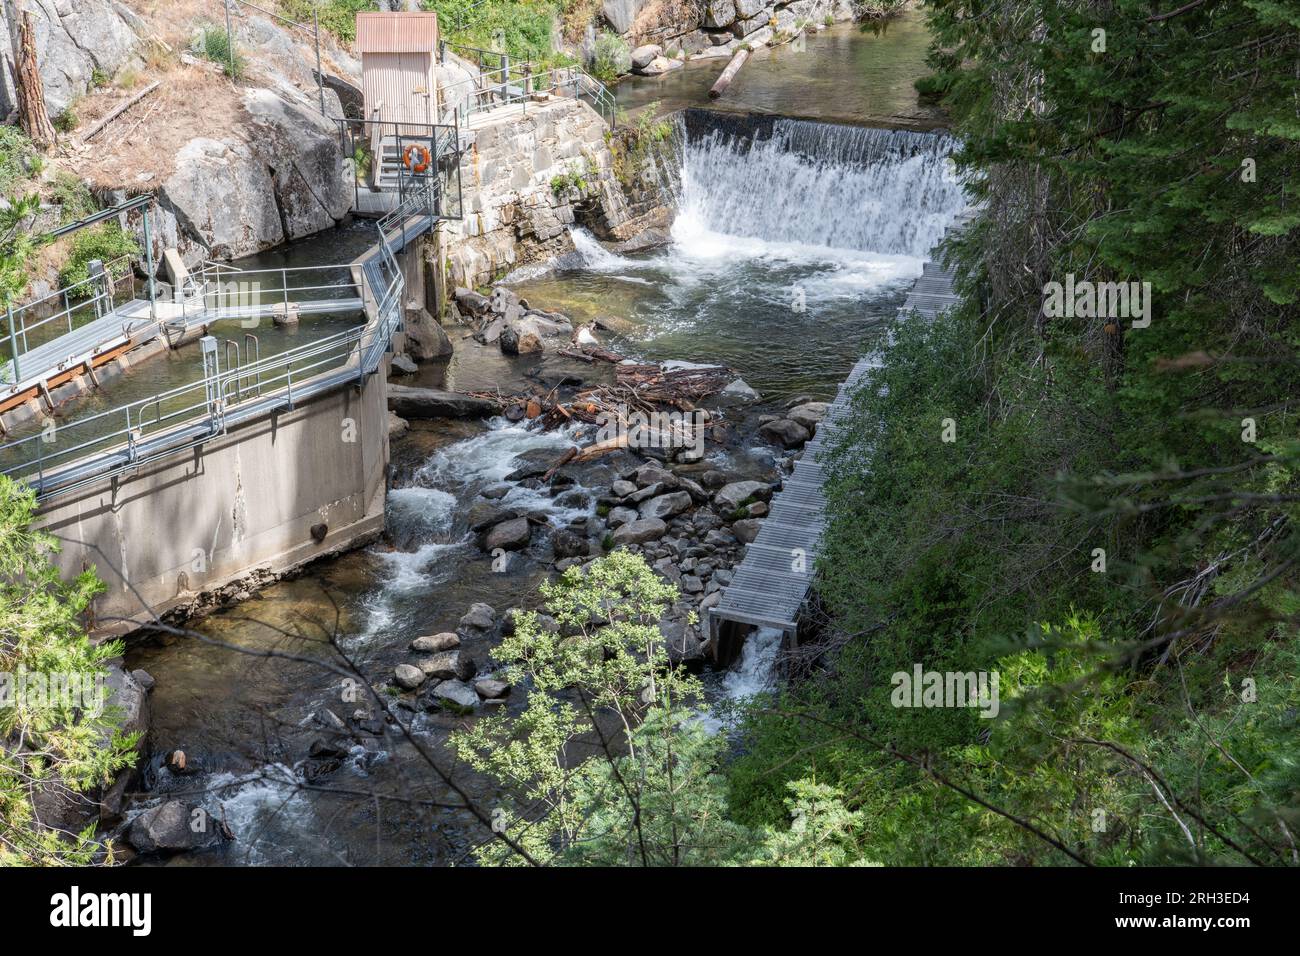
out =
column 796, row 183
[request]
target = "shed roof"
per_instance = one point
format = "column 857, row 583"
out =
column 397, row 32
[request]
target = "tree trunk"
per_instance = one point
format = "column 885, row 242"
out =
column 728, row 74
column 32, row 115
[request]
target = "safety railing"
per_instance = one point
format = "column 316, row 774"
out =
column 522, row 84
column 399, row 157
column 58, row 313
column 61, row 457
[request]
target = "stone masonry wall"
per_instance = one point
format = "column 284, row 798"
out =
column 513, row 214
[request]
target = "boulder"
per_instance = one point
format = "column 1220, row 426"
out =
column 738, row 393
column 492, row 689
column 622, row 13
column 174, row 827
column 642, row 56
column 665, row 506
column 401, row 365
column 425, row 337
column 128, row 697
column 455, row 692
column 808, row 415
column 410, row 402
column 640, row 531
column 620, row 516
column 745, row 9
column 301, row 148
column 746, row 529
column 397, row 426
column 719, row 13
column 467, row 300
column 479, row 617
column 729, row 497
column 566, row 544
column 659, row 66
column 448, row 665
column 784, row 432
column 432, row 643
column 408, row 676
column 512, row 535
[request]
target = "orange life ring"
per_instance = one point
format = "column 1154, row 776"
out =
column 422, row 164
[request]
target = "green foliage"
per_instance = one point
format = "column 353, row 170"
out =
column 67, row 120
column 214, row 45
column 651, row 794
column 570, row 179
column 72, row 196
column 105, row 242
column 17, row 243
column 611, row 57
column 337, row 16
column 16, row 157
column 47, row 740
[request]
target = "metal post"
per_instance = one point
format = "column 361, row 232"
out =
column 13, row 343
column 320, row 77
column 230, row 41
column 148, row 249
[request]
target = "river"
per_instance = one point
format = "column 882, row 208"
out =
column 793, row 240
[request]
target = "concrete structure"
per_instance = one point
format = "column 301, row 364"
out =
column 253, row 487
column 269, row 495
column 398, row 59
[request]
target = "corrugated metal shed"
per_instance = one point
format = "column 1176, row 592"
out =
column 397, row 32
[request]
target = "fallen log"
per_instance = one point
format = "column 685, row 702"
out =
column 119, row 110
column 728, row 74
column 411, row 402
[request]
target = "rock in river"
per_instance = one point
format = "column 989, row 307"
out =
column 407, row 676
column 665, row 506
column 480, row 617
column 784, row 432
column 171, row 828
column 729, row 497
column 455, row 692
column 640, row 531
column 509, row 535
column 432, row 643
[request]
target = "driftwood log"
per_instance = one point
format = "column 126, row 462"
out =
column 728, row 74
column 119, row 110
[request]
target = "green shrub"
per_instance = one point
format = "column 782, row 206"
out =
column 72, row 196
column 16, row 155
column 611, row 59
column 106, row 243
column 67, row 121
column 215, row 46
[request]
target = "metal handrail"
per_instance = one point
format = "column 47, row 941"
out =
column 518, row 83
column 130, row 446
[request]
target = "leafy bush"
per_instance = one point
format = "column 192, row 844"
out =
column 72, row 196
column 16, row 154
column 214, row 44
column 105, row 243
column 611, row 58
column 50, row 742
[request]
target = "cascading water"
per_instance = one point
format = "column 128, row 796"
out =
column 807, row 186
column 792, row 242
